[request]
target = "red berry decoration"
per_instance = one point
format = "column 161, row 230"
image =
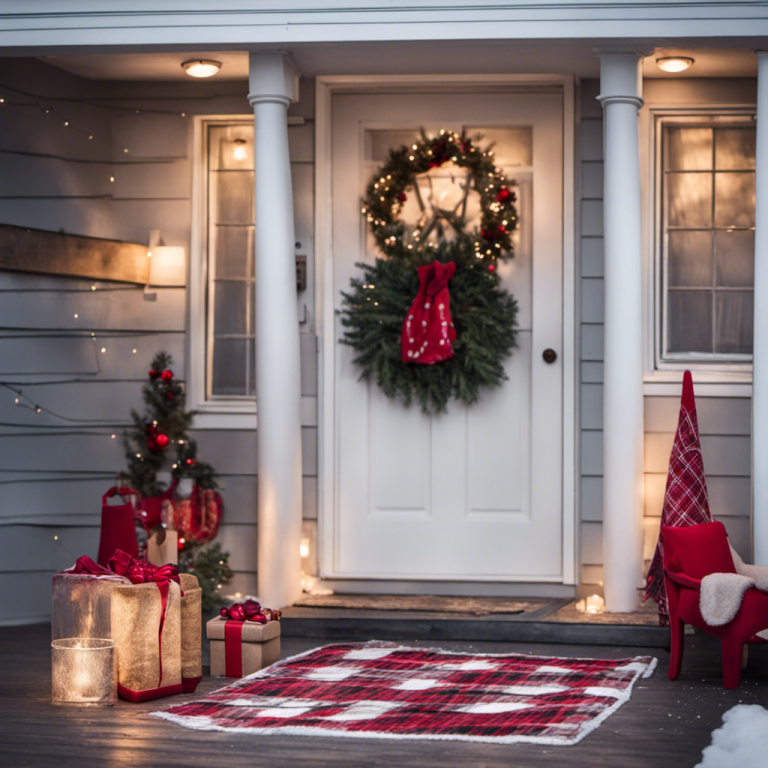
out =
column 153, row 374
column 251, row 608
column 190, row 462
column 402, row 197
column 237, row 612
column 224, row 613
column 167, row 375
column 170, row 395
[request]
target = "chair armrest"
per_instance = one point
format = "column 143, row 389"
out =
column 683, row 580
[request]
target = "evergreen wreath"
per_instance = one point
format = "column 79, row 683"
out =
column 484, row 314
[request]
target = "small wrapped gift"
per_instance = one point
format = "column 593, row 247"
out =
column 240, row 648
column 82, row 596
column 146, row 628
column 191, row 632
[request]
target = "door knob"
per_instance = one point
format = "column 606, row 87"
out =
column 549, row 356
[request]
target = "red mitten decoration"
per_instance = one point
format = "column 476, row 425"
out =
column 428, row 332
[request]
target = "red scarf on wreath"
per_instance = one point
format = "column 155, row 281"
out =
column 428, row 332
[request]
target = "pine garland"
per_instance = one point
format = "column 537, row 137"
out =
column 484, row 314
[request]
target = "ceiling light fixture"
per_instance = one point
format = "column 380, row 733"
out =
column 201, row 67
column 674, row 63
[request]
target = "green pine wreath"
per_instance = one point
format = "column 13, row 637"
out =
column 484, row 314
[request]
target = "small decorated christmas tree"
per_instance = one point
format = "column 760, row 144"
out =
column 157, row 434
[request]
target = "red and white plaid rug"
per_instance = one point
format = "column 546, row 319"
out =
column 382, row 690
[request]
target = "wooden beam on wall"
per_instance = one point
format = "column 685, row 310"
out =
column 57, row 253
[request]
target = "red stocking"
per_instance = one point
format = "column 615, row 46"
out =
column 428, row 332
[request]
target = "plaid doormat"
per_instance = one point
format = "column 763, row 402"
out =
column 382, row 690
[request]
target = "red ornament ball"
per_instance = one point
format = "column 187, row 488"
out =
column 162, row 441
column 503, row 196
column 190, row 462
column 167, row 375
column 259, row 618
column 402, row 197
column 224, row 613
column 491, row 267
column 251, row 608
column 170, row 395
column 153, row 374
column 237, row 612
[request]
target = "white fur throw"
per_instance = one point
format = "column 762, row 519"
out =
column 721, row 593
column 720, row 596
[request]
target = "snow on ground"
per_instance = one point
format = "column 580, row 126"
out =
column 742, row 740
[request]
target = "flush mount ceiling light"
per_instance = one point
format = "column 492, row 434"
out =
column 201, row 67
column 674, row 63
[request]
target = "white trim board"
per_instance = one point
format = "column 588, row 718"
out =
column 326, row 87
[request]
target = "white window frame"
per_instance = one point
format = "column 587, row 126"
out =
column 219, row 413
column 718, row 378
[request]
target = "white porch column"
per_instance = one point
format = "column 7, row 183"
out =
column 273, row 86
column 760, row 341
column 620, row 96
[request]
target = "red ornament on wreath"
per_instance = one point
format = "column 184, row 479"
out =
column 428, row 331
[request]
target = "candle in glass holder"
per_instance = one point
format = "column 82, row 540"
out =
column 83, row 671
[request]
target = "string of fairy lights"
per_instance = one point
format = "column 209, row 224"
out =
column 53, row 109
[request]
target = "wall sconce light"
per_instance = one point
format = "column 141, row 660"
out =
column 674, row 63
column 168, row 266
column 240, row 152
column 201, row 67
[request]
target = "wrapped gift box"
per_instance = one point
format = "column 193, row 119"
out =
column 240, row 648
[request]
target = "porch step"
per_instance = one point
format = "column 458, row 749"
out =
column 352, row 624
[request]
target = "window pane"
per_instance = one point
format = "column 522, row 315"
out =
column 690, row 259
column 234, row 252
column 378, row 143
column 735, row 199
column 229, row 366
column 733, row 317
column 690, row 199
column 735, row 258
column 230, row 146
column 511, row 146
column 230, row 308
column 689, row 149
column 734, row 148
column 690, row 321
column 234, row 197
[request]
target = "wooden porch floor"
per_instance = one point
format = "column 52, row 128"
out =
column 664, row 725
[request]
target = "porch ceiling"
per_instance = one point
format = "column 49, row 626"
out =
column 424, row 57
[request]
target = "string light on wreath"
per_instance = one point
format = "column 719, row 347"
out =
column 389, row 190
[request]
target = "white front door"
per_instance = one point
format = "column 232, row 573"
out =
column 474, row 494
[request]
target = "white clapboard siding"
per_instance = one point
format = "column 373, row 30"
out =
column 133, row 219
column 234, row 451
column 80, row 403
column 96, row 310
column 57, row 452
column 26, row 548
column 24, row 176
column 149, row 135
column 48, row 354
column 240, row 492
column 241, row 542
column 73, row 215
column 157, row 180
column 26, row 597
column 53, row 501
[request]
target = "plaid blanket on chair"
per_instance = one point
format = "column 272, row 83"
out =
column 685, row 500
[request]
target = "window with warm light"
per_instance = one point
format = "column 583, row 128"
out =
column 222, row 285
column 706, row 236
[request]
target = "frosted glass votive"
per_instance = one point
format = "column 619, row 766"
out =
column 83, row 671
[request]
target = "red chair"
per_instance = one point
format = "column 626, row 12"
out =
column 690, row 553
